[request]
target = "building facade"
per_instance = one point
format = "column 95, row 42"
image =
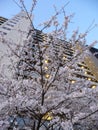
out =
column 86, row 69
column 14, row 32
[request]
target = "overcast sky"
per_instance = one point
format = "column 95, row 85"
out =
column 85, row 12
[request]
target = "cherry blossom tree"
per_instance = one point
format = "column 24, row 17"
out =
column 45, row 93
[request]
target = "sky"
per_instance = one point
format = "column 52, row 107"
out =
column 85, row 13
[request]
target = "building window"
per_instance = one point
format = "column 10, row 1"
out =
column 10, row 25
column 13, row 22
column 3, row 33
column 17, row 18
column 6, row 28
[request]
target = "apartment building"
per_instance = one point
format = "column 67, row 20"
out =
column 86, row 69
column 14, row 32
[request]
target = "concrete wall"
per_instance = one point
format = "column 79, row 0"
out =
column 12, row 33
